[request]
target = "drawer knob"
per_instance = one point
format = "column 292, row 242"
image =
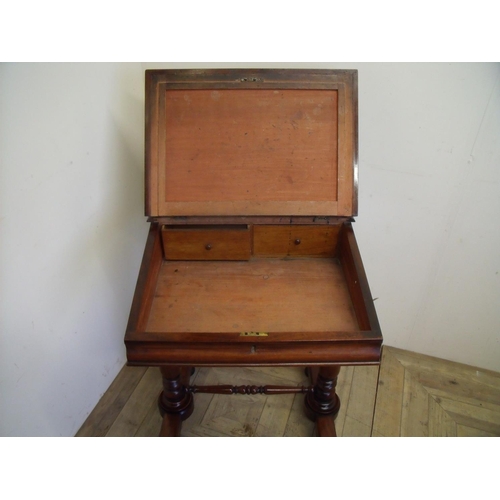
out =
column 297, row 241
column 208, row 246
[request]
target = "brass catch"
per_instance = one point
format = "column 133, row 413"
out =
column 254, row 334
column 250, row 79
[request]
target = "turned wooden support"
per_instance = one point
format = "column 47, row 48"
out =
column 175, row 402
column 323, row 401
column 268, row 390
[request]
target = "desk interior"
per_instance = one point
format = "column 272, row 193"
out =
column 260, row 295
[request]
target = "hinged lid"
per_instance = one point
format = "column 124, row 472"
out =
column 251, row 142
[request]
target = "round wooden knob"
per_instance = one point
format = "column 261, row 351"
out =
column 297, row 241
column 208, row 246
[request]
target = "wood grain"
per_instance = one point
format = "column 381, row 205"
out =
column 138, row 405
column 256, row 145
column 435, row 397
column 229, row 143
column 111, row 404
column 415, row 410
column 146, row 281
column 343, row 390
column 387, row 418
column 441, row 424
column 206, row 243
column 296, row 424
column 359, row 412
column 295, row 241
column 263, row 295
column 356, row 280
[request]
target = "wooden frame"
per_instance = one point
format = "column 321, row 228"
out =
column 343, row 84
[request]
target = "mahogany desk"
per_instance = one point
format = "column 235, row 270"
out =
column 251, row 259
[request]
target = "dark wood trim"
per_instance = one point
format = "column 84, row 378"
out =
column 268, row 390
column 356, row 144
column 236, row 337
column 257, row 354
column 251, row 78
column 322, row 404
column 357, row 281
column 145, row 287
column 248, row 220
column 150, row 144
column 323, row 400
column 325, row 427
column 171, row 425
column 175, row 402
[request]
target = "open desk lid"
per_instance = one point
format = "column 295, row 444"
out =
column 251, row 142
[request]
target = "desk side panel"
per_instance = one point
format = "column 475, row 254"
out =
column 146, row 281
column 357, row 281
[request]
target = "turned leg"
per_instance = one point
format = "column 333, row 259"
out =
column 322, row 404
column 175, row 402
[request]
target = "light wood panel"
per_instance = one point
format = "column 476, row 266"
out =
column 266, row 295
column 258, row 145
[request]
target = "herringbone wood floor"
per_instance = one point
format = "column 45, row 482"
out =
column 411, row 395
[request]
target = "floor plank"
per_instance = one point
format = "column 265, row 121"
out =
column 412, row 395
column 296, row 424
column 150, row 426
column 472, row 415
column 112, row 402
column 441, row 424
column 387, row 418
column 465, row 431
column 138, row 405
column 355, row 428
column 415, row 408
column 456, row 394
column 274, row 417
column 344, row 384
column 359, row 413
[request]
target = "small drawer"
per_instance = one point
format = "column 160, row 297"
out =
column 295, row 241
column 313, row 241
column 206, row 243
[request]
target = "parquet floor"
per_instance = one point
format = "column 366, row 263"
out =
column 412, row 395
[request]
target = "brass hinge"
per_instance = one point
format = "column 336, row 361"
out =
column 254, row 334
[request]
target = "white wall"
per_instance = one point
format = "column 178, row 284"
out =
column 72, row 232
column 72, row 228
column 430, row 206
